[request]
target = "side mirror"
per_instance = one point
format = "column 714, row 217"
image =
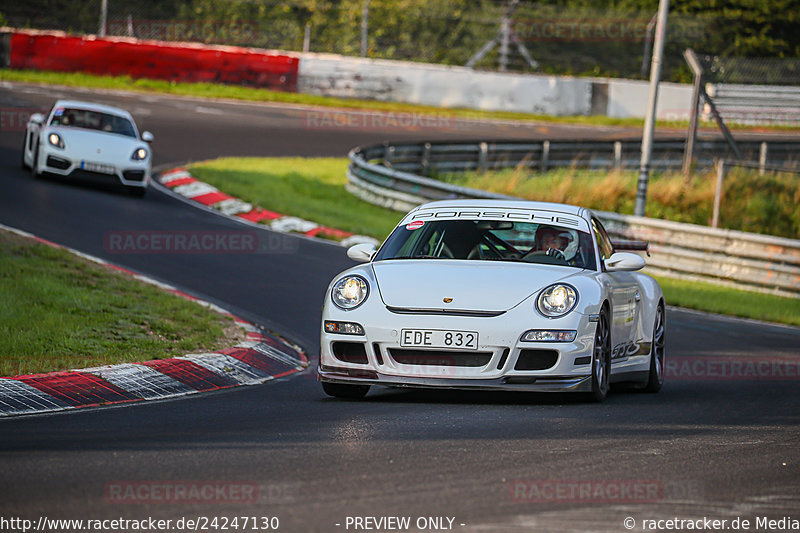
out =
column 624, row 261
column 37, row 118
column 361, row 252
column 147, row 137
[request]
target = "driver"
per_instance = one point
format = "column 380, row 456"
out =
column 555, row 242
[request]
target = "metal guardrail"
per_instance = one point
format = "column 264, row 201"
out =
column 390, row 175
column 755, row 104
column 426, row 159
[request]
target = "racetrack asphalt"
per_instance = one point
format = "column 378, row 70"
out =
column 719, row 447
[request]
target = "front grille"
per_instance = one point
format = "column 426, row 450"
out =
column 350, row 352
column 534, row 359
column 439, row 357
column 133, row 175
column 57, row 162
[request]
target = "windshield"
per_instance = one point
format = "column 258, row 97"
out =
column 490, row 240
column 93, row 120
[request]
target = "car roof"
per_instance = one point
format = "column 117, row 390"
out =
column 507, row 204
column 91, row 106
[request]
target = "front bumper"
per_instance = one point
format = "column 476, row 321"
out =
column 130, row 173
column 502, row 361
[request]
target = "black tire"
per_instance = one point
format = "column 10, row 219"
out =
column 601, row 359
column 657, row 352
column 34, row 170
column 22, row 163
column 340, row 390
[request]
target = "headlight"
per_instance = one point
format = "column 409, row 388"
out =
column 56, row 140
column 550, row 335
column 139, row 154
column 350, row 292
column 557, row 300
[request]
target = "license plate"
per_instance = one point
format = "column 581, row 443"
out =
column 439, row 338
column 98, row 167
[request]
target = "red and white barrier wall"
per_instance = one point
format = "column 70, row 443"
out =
column 163, row 60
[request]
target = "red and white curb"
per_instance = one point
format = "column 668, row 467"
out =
column 262, row 357
column 181, row 182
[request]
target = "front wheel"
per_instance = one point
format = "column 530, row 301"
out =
column 657, row 353
column 23, row 164
column 35, row 165
column 601, row 359
column 341, row 390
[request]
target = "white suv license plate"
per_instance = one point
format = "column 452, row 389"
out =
column 98, row 167
column 439, row 338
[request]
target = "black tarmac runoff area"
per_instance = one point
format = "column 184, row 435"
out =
column 284, row 457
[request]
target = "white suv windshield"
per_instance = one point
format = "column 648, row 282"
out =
column 490, row 240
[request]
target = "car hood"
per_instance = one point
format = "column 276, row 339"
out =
column 477, row 286
column 84, row 144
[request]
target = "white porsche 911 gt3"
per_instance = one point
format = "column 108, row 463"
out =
column 494, row 294
column 88, row 141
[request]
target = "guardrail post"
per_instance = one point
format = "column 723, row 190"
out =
column 718, row 193
column 762, row 158
column 545, row 156
column 388, row 155
column 425, row 162
column 617, row 155
column 483, row 157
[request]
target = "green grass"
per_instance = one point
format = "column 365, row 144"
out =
column 314, row 189
column 60, row 312
column 759, row 204
column 307, row 188
column 729, row 301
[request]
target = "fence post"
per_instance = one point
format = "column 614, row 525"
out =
column 617, row 154
column 762, row 158
column 307, row 38
column 545, row 156
column 364, row 28
column 388, row 155
column 425, row 163
column 483, row 157
column 101, row 32
column 718, row 193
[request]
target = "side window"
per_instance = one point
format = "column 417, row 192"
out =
column 604, row 245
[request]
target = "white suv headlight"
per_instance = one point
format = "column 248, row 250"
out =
column 557, row 300
column 350, row 292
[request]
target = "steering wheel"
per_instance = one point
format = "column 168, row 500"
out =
column 555, row 253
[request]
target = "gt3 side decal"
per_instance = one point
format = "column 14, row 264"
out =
column 630, row 349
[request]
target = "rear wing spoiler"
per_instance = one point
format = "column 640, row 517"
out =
column 632, row 246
